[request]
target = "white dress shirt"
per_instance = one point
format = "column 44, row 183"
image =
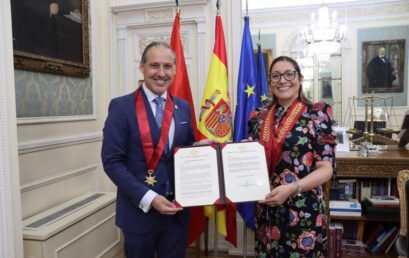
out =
column 146, row 201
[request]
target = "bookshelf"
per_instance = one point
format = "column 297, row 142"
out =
column 385, row 164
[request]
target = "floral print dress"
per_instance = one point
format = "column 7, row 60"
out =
column 298, row 227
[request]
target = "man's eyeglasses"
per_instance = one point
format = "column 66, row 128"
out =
column 288, row 76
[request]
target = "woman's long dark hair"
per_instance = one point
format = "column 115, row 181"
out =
column 297, row 68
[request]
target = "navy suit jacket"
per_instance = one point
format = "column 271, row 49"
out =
column 380, row 73
column 124, row 161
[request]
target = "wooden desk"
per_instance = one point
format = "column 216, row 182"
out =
column 384, row 164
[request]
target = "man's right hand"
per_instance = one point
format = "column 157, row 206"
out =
column 163, row 206
column 205, row 142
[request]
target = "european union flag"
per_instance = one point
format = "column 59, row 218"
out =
column 262, row 84
column 248, row 99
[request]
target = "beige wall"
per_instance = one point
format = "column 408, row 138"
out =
column 61, row 160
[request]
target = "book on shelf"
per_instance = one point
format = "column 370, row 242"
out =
column 376, row 187
column 332, row 240
column 386, row 244
column 345, row 208
column 339, row 229
column 353, row 244
column 336, row 230
column 349, row 188
column 360, row 189
column 384, row 201
column 380, row 212
column 344, row 189
column 374, row 234
column 392, row 243
column 346, row 213
column 365, row 189
column 351, row 247
column 382, row 238
column 377, row 239
column 379, row 187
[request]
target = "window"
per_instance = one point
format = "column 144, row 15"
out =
column 322, row 76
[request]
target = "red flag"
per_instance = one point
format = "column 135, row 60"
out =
column 181, row 88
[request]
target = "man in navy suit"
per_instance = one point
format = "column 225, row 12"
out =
column 140, row 134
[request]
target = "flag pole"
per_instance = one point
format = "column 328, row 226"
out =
column 216, row 235
column 244, row 224
column 244, row 240
column 259, row 38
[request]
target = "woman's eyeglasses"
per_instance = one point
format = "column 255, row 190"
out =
column 288, row 76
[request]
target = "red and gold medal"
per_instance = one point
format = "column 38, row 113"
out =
column 150, row 179
column 152, row 155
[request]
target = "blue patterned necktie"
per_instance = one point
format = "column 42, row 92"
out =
column 159, row 110
column 159, row 101
column 158, row 117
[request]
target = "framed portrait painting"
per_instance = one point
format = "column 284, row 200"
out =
column 326, row 88
column 51, row 36
column 383, row 66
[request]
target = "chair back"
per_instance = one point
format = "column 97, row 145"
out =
column 403, row 177
column 402, row 242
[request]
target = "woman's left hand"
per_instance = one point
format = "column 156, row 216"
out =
column 278, row 195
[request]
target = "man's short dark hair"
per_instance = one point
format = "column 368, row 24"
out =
column 157, row 44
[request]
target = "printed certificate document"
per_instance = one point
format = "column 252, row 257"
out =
column 220, row 173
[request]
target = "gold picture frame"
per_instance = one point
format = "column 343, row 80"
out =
column 383, row 75
column 51, row 36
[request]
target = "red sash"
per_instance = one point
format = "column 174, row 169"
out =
column 273, row 145
column 152, row 156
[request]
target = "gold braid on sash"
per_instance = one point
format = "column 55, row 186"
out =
column 267, row 126
column 283, row 132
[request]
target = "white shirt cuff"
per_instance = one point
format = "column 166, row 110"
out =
column 146, row 201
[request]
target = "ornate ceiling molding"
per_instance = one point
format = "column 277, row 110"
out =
column 350, row 12
column 158, row 12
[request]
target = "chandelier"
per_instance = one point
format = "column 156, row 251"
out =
column 323, row 36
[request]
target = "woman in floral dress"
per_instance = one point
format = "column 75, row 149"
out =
column 300, row 147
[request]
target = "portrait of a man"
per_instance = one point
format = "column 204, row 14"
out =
column 49, row 28
column 383, row 66
column 380, row 71
column 51, row 31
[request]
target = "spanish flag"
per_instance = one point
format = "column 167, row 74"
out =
column 181, row 88
column 215, row 122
